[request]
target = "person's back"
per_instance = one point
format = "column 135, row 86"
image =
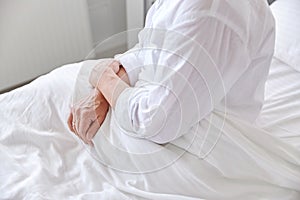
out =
column 251, row 23
column 257, row 26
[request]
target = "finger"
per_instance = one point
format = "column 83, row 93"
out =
column 82, row 138
column 75, row 121
column 101, row 112
column 84, row 125
column 93, row 129
column 115, row 65
column 75, row 126
column 90, row 143
column 70, row 122
column 81, row 128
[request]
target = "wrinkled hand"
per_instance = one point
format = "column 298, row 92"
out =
column 87, row 116
column 100, row 68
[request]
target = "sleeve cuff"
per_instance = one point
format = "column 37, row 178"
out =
column 131, row 64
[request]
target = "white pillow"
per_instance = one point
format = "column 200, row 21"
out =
column 287, row 16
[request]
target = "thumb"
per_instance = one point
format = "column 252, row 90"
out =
column 115, row 66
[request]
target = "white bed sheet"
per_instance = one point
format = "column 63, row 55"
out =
column 41, row 159
column 281, row 110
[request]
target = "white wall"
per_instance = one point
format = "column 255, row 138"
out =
column 136, row 15
column 37, row 36
column 135, row 20
column 108, row 23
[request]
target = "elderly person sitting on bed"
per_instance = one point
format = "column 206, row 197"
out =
column 193, row 57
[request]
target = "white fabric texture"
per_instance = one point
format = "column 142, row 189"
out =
column 265, row 165
column 287, row 14
column 42, row 159
column 194, row 57
column 284, row 121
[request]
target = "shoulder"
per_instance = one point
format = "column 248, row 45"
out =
column 242, row 17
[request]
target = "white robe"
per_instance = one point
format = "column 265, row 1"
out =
column 194, row 57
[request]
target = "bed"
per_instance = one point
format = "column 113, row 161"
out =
column 41, row 159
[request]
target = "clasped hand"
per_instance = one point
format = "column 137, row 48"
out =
column 88, row 114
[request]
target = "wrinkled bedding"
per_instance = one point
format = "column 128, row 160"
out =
column 41, row 159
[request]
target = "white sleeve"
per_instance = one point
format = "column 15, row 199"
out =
column 129, row 60
column 187, row 71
